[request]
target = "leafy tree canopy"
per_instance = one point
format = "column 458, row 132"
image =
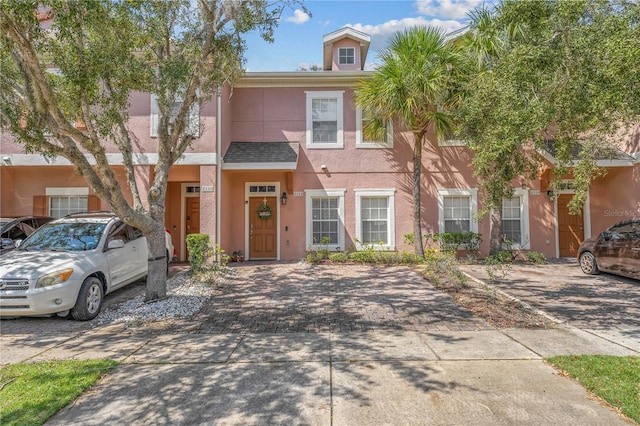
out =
column 84, row 64
column 561, row 70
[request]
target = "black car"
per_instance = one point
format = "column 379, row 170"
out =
column 19, row 228
column 615, row 250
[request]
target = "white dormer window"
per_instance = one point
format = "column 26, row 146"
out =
column 347, row 56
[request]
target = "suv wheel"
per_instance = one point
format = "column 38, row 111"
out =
column 588, row 263
column 89, row 300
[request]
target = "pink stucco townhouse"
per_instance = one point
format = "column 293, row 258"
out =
column 293, row 141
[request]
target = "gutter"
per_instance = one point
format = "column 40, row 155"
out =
column 218, row 161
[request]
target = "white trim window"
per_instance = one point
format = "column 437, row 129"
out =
column 457, row 210
column 362, row 141
column 375, row 218
column 325, row 119
column 64, row 201
column 193, row 124
column 515, row 219
column 346, row 56
column 325, row 219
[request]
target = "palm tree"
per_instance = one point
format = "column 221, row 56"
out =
column 413, row 86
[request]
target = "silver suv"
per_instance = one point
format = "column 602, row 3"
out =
column 68, row 265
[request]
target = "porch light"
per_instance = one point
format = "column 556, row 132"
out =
column 283, row 198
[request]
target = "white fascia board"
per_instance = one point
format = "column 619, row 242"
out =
column 208, row 158
column 346, row 32
column 260, row 166
column 599, row 163
column 302, row 79
column 613, row 163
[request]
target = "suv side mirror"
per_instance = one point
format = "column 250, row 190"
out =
column 7, row 242
column 115, row 244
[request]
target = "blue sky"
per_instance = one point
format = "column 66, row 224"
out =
column 298, row 38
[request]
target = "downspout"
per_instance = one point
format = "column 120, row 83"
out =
column 218, row 161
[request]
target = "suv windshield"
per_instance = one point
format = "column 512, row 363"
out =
column 75, row 236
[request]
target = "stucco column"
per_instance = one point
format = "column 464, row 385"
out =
column 208, row 201
column 144, row 178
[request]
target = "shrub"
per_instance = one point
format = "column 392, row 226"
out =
column 442, row 264
column 339, row 257
column 363, row 256
column 452, row 241
column 208, row 263
column 536, row 257
column 199, row 251
column 499, row 265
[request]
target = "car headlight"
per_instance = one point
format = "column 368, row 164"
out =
column 54, row 278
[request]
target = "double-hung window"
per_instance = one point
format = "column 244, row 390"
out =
column 193, row 120
column 346, row 56
column 325, row 119
column 375, row 225
column 515, row 219
column 64, row 201
column 458, row 209
column 325, row 218
column 364, row 140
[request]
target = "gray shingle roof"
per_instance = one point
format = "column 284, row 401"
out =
column 262, row 152
column 616, row 154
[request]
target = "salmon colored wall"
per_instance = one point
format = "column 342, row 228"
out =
column 140, row 121
column 173, row 214
column 226, row 99
column 188, row 174
column 21, row 183
column 346, row 42
column 615, row 197
column 208, row 202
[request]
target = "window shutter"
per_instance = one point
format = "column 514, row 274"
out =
column 93, row 203
column 40, row 205
column 153, row 119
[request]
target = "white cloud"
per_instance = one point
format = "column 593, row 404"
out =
column 451, row 9
column 299, row 17
column 380, row 33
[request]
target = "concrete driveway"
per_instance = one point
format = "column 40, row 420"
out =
column 561, row 289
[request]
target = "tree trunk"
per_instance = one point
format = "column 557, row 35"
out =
column 495, row 242
column 157, row 275
column 417, row 206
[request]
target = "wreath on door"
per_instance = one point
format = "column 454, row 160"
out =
column 265, row 212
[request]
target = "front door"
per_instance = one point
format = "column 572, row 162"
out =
column 192, row 225
column 570, row 228
column 262, row 229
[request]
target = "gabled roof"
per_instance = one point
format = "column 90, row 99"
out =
column 346, row 32
column 261, row 156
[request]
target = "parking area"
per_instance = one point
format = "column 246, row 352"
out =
column 562, row 290
column 296, row 297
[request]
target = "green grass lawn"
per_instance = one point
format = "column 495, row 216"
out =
column 30, row 393
column 614, row 379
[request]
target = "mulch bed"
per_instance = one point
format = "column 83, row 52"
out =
column 498, row 310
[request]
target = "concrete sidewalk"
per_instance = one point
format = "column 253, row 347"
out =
column 482, row 377
column 379, row 347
